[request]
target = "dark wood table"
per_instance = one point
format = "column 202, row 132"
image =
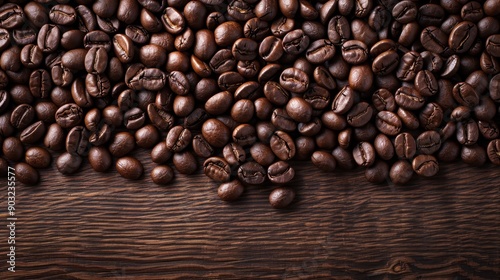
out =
column 94, row 226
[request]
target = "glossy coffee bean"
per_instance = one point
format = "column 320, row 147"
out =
column 162, row 174
column 129, row 168
column 217, row 169
column 281, row 197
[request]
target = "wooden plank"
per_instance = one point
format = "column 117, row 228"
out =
column 92, row 226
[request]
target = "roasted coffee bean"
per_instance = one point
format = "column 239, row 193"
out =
column 425, row 165
column 388, row 123
column 405, row 145
column 22, row 116
column 129, row 168
column 465, row 94
column 68, row 163
column 409, row 98
column 281, row 197
column 410, row 64
column 493, row 151
column 26, row 174
column 431, row 116
column 32, row 133
column 317, row 96
column 122, row 144
column 217, row 169
column 339, row 30
column 234, row 154
column 428, row 142
column 185, row 162
column 262, row 154
column 467, row 132
column 489, row 130
column 280, row 172
column 295, row 42
column 474, row 155
column 401, row 172
column 195, row 119
column 38, row 157
column 134, row 118
column 385, row 63
column 360, row 114
column 201, row 147
column 252, row 173
column 462, row 36
column 354, row 52
column 160, row 153
column 178, row 138
column 364, row 154
column 240, row 10
column 162, row 174
column 383, row 146
column 277, row 94
column 99, row 159
column 323, row 161
column 215, row 132
column 13, row 149
column 282, row 145
column 244, row 134
column 230, row 191
column 77, row 141
column 147, row 136
column 159, row 117
column 383, row 100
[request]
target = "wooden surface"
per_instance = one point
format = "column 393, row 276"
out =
column 95, row 226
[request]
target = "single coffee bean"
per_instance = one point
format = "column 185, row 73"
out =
column 54, row 138
column 467, row 132
column 162, row 174
column 22, row 116
column 134, row 118
column 26, row 174
column 276, row 93
column 339, row 30
column 364, row 154
column 13, row 149
column 33, row 133
column 282, row 145
column 409, row 98
column 234, row 154
column 244, row 134
column 178, row 138
column 318, row 97
column 195, row 119
column 434, row 39
column 185, row 162
column 465, row 94
column 295, row 42
column 324, row 161
column 462, row 36
column 69, row 115
column 449, row 151
column 383, row 100
column 360, row 114
column 77, row 141
column 147, row 136
column 428, row 142
column 388, row 123
column 217, row 169
column 201, row 147
column 129, row 168
column 99, row 159
column 252, row 173
column 299, row 109
column 262, row 154
column 122, row 144
column 425, row 165
column 410, row 64
column 405, row 145
column 280, row 172
column 401, row 172
column 493, row 151
column 215, row 132
column 40, row 84
column 383, row 146
column 489, row 130
column 385, row 62
column 474, row 155
column 68, row 163
column 230, row 191
column 281, row 197
column 38, row 157
column 431, row 116
column 12, row 16
column 426, row 83
column 96, row 60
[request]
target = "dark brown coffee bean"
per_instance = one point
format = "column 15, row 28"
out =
column 240, row 10
column 364, row 154
column 465, row 94
column 262, row 154
column 339, row 30
column 77, row 141
column 195, row 119
column 122, row 144
column 428, row 142
column 318, row 97
column 99, row 159
column 295, row 42
column 230, row 191
column 343, row 158
column 159, row 117
column 489, row 130
column 401, row 172
column 383, row 146
column 276, row 93
column 281, row 197
column 55, row 137
column 388, row 123
column 282, row 145
column 67, row 163
column 299, row 109
column 493, row 151
column 123, row 48
column 134, row 118
column 280, row 172
column 12, row 16
column 129, row 168
column 449, row 151
column 385, row 62
column 26, row 174
column 462, row 36
column 405, row 146
column 431, row 116
column 323, row 161
column 217, row 169
column 252, row 173
column 38, row 157
column 361, row 78
column 360, row 114
column 178, row 138
column 160, row 153
column 426, row 83
column 22, row 116
column 434, row 39
column 32, row 133
column 162, row 174
column 31, row 56
column 201, row 147
column 410, row 64
column 409, row 98
column 234, row 154
column 467, row 132
column 185, row 162
column 215, row 132
column 425, row 165
column 13, row 149
column 474, row 155
column 383, row 100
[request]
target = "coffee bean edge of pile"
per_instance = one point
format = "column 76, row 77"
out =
column 248, row 85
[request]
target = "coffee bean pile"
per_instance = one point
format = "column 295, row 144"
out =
column 248, row 85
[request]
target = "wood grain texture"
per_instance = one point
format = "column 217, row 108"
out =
column 101, row 226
